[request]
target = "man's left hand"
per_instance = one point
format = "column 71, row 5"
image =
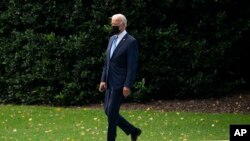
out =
column 126, row 91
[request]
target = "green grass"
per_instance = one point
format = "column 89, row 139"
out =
column 38, row 123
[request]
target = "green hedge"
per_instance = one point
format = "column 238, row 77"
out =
column 52, row 51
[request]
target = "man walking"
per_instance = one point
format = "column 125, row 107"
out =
column 118, row 76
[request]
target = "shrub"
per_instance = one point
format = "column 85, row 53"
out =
column 52, row 52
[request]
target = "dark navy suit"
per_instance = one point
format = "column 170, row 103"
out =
column 119, row 71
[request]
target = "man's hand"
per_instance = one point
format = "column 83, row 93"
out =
column 126, row 91
column 102, row 87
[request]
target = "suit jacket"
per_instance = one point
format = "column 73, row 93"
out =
column 120, row 69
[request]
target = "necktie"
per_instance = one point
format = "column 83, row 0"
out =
column 113, row 46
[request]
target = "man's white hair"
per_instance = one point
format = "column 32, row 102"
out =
column 121, row 17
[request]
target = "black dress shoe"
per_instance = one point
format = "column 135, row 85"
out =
column 135, row 134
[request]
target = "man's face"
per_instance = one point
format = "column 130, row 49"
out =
column 118, row 22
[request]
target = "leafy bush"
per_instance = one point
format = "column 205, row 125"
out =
column 52, row 52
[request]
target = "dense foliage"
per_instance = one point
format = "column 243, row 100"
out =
column 52, row 51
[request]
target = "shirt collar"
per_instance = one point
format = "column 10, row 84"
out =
column 121, row 35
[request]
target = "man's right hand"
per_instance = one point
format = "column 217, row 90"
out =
column 102, row 87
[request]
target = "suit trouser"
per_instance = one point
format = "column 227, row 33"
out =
column 113, row 101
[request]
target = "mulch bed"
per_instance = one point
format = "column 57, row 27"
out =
column 235, row 103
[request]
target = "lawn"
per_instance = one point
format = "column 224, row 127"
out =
column 41, row 123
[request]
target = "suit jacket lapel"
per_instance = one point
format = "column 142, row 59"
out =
column 123, row 40
column 109, row 46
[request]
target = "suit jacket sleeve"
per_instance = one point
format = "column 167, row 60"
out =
column 132, row 58
column 103, row 78
column 104, row 71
